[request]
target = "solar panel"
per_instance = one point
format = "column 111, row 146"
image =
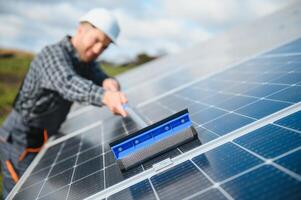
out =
column 247, row 116
column 257, row 165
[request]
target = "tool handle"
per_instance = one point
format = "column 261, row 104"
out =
column 136, row 118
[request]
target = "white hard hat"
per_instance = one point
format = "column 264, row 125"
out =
column 103, row 20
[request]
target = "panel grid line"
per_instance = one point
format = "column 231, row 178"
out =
column 271, row 162
column 215, row 184
column 200, row 150
column 152, row 186
column 74, row 168
column 57, row 156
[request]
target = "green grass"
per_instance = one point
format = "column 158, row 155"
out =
column 12, row 71
column 113, row 71
column 1, row 186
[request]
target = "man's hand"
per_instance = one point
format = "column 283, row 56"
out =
column 111, row 84
column 114, row 101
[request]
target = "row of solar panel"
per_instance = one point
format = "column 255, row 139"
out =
column 79, row 156
column 226, row 161
column 86, row 160
column 269, row 157
column 273, row 66
column 227, row 105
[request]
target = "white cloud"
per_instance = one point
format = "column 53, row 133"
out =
column 147, row 26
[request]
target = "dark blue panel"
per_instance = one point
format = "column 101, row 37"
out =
column 73, row 150
column 59, row 194
column 236, row 102
column 270, row 141
column 196, row 107
column 142, row 190
column 291, row 162
column 44, row 163
column 190, row 145
column 196, row 94
column 71, row 142
column 206, row 115
column 263, row 90
column 291, row 94
column 36, row 177
column 262, row 108
column 265, row 182
column 292, row 121
column 224, row 76
column 154, row 112
column 53, row 150
column 88, row 154
column 213, row 194
column 87, row 186
column 28, row 193
column 88, row 168
column 56, row 182
column 179, row 182
column 205, row 135
column 227, row 123
column 62, row 166
column 109, row 158
column 255, row 65
column 225, row 161
column 126, row 174
column 240, row 88
column 113, row 174
column 292, row 47
column 217, row 85
column 292, row 64
column 216, row 99
column 263, row 77
column 291, row 78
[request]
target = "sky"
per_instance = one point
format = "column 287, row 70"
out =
column 155, row 27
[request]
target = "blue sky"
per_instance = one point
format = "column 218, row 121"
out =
column 152, row 26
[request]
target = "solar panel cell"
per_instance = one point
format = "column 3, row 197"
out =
column 262, row 108
column 292, row 121
column 291, row 162
column 270, row 141
column 170, row 184
column 142, row 190
column 225, row 161
column 86, row 186
column 227, row 123
column 213, row 194
column 265, row 182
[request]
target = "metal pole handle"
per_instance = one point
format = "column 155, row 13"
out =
column 132, row 114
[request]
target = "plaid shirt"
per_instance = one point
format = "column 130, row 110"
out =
column 55, row 79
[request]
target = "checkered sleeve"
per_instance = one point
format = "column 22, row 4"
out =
column 98, row 75
column 59, row 75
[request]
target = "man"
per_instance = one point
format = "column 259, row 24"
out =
column 59, row 75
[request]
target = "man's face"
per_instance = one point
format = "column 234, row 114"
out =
column 92, row 42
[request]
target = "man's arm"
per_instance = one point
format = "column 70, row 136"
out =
column 58, row 75
column 98, row 75
column 100, row 78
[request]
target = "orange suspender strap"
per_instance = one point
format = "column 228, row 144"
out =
column 12, row 171
column 34, row 150
column 45, row 134
column 28, row 150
